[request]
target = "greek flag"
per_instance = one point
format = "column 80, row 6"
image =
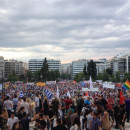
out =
column 21, row 94
column 48, row 94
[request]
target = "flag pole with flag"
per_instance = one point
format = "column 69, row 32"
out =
column 21, row 94
column 126, row 85
column 57, row 93
column 122, row 98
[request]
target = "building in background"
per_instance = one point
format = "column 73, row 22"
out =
column 54, row 65
column 101, row 65
column 121, row 64
column 36, row 64
column 2, row 67
column 13, row 66
column 66, row 68
column 78, row 66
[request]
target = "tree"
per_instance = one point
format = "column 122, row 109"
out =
column 29, row 75
column 12, row 77
column 117, row 76
column 126, row 76
column 37, row 75
column 100, row 76
column 91, row 69
column 84, row 70
column 44, row 70
column 109, row 71
column 79, row 77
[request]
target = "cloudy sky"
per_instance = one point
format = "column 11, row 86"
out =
column 64, row 29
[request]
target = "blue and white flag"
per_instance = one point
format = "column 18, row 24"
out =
column 21, row 94
column 82, row 83
column 48, row 94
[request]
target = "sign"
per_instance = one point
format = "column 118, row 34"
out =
column 50, row 82
column 85, row 89
column 107, row 85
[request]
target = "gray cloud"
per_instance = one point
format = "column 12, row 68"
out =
column 65, row 26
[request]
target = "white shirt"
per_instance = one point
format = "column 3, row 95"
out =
column 8, row 104
column 11, row 121
column 26, row 106
column 36, row 101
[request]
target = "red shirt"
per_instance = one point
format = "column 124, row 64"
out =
column 110, row 103
column 67, row 102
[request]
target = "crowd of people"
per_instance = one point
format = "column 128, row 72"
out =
column 78, row 111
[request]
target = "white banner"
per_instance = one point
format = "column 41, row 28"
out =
column 107, row 85
column 50, row 82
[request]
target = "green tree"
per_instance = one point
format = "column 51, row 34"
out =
column 106, row 77
column 37, row 75
column 126, row 76
column 117, row 76
column 12, row 77
column 79, row 77
column 29, row 75
column 91, row 69
column 109, row 71
column 100, row 76
column 84, row 70
column 44, row 70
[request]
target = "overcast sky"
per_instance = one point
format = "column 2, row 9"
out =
column 64, row 29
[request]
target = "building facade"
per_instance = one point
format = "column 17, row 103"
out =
column 78, row 66
column 13, row 66
column 121, row 64
column 2, row 67
column 36, row 64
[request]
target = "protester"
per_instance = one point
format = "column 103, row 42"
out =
column 11, row 120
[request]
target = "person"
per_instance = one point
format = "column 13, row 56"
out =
column 45, row 106
column 96, row 124
column 76, row 125
column 16, row 126
column 68, row 119
column 5, row 117
column 67, row 103
column 55, row 103
column 59, row 125
column 51, row 115
column 19, row 103
column 11, row 120
column 15, row 101
column 20, row 113
column 88, row 103
column 127, row 102
column 122, row 116
column 83, row 113
column 62, row 107
column 25, row 105
column 8, row 105
column 73, row 116
column 80, row 103
column 43, row 123
column 89, row 119
column 110, row 104
column 116, row 114
column 24, row 122
column 37, row 103
column 70, row 108
column 107, row 122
